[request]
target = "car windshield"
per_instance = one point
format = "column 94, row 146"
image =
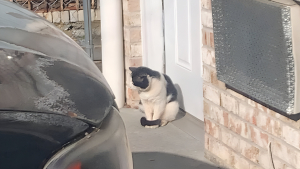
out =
column 44, row 70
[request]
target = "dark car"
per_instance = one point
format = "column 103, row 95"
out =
column 56, row 109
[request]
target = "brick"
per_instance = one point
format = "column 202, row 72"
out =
column 212, row 94
column 133, row 5
column 251, row 102
column 281, row 164
column 249, row 151
column 237, row 95
column 230, row 140
column 208, row 37
column 216, row 113
column 212, row 40
column 127, row 49
column 208, row 56
column 286, row 153
column 271, row 112
column 238, row 126
column 136, row 50
column 128, row 78
column 276, row 129
column 206, row 4
column 248, row 113
column 221, row 85
column 80, row 15
column 206, row 140
column 261, row 107
column 291, row 136
column 97, row 15
column 127, row 34
column 132, row 94
column 220, row 116
column 73, row 16
column 226, row 119
column 206, row 74
column 206, row 109
column 133, row 62
column 229, row 103
column 210, row 75
column 240, row 162
column 135, row 34
column 56, row 16
column 206, row 18
column 264, row 159
column 205, row 39
column 214, row 79
column 264, row 122
column 41, row 14
column 48, row 16
column 92, row 14
column 211, row 128
column 132, row 19
column 295, row 124
column 125, row 5
column 252, row 166
column 65, row 16
column 258, row 137
column 221, row 151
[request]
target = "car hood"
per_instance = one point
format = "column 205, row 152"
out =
column 44, row 70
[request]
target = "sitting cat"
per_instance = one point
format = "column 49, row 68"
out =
column 158, row 96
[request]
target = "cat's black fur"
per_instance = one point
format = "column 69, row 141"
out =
column 171, row 90
column 145, row 122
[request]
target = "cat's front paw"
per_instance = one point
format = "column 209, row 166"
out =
column 152, row 127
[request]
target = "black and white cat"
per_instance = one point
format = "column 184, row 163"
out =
column 158, row 96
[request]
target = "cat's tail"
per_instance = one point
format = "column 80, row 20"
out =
column 145, row 122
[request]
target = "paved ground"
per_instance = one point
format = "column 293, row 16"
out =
column 179, row 145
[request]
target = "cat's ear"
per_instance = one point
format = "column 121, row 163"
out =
column 132, row 69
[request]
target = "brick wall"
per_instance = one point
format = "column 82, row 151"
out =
column 237, row 129
column 132, row 45
column 69, row 16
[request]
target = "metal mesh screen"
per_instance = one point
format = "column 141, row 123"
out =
column 253, row 43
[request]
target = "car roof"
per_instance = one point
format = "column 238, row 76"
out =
column 44, row 70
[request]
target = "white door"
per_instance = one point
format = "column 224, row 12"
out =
column 182, row 46
column 152, row 34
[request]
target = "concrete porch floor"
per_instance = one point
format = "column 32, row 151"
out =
column 179, row 145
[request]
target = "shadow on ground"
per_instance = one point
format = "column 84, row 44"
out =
column 157, row 160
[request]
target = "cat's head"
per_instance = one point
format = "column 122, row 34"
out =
column 141, row 76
